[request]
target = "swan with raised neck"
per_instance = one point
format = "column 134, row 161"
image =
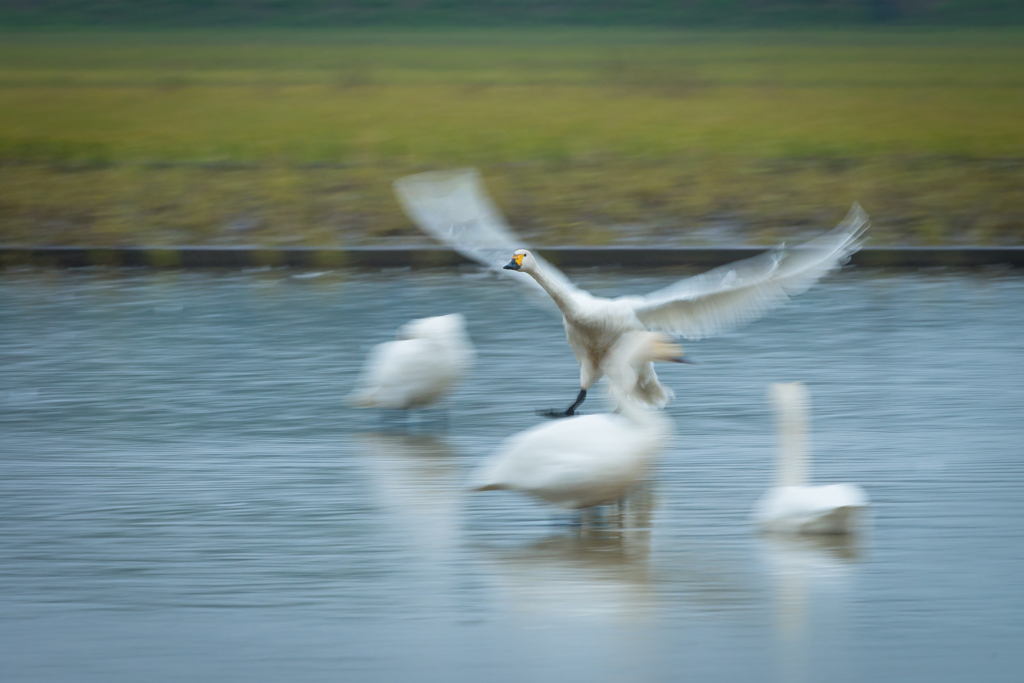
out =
column 454, row 208
column 523, row 261
column 593, row 328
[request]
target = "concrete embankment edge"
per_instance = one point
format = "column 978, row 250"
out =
column 436, row 257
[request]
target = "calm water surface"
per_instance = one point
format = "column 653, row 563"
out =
column 185, row 496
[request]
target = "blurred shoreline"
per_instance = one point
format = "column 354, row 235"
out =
column 913, row 202
column 585, row 137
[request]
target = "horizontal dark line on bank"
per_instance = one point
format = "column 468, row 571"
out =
column 439, row 257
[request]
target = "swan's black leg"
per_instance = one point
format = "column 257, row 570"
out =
column 568, row 412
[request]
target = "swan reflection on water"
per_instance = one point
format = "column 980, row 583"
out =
column 799, row 564
column 597, row 566
column 597, row 572
column 810, row 575
column 417, row 479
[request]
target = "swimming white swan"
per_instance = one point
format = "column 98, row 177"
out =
column 792, row 506
column 429, row 356
column 453, row 207
column 587, row 459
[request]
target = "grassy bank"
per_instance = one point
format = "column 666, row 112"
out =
column 585, row 137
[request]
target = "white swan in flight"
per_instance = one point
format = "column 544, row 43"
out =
column 588, row 459
column 429, row 356
column 792, row 506
column 454, row 208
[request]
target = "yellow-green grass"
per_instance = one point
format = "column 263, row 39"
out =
column 585, row 137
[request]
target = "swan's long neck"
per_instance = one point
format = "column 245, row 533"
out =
column 558, row 293
column 791, row 412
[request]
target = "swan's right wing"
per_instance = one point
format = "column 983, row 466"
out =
column 453, row 207
column 723, row 298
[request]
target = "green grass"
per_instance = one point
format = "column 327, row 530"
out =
column 585, row 136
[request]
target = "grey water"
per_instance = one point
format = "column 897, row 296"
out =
column 184, row 494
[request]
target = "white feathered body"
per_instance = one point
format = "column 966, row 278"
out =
column 830, row 509
column 793, row 506
column 429, row 358
column 593, row 328
column 580, row 461
column 588, row 460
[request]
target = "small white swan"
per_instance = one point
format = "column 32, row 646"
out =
column 454, row 208
column 588, row 460
column 792, row 506
column 429, row 356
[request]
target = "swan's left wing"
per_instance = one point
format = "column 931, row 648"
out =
column 723, row 298
column 454, row 208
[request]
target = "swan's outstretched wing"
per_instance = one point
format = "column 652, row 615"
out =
column 454, row 208
column 728, row 296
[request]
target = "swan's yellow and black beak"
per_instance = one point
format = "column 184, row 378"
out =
column 516, row 263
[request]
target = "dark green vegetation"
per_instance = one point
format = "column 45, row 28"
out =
column 660, row 13
column 585, row 137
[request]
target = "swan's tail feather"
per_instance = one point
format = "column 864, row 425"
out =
column 361, row 399
column 487, row 477
column 488, row 487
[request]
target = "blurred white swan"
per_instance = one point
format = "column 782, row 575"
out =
column 454, row 208
column 588, row 460
column 429, row 356
column 792, row 506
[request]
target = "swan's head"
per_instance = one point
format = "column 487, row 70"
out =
column 521, row 260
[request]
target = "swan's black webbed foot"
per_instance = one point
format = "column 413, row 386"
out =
column 568, row 412
column 555, row 414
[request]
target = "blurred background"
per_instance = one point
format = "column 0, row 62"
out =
column 184, row 494
column 699, row 122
